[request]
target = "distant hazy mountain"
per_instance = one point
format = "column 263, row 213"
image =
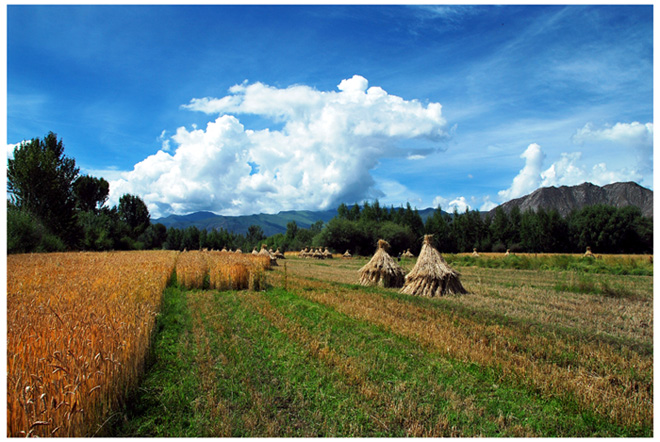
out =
column 271, row 224
column 566, row 199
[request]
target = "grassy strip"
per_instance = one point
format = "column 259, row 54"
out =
column 219, row 369
column 472, row 399
column 162, row 404
column 619, row 266
column 271, row 386
column 583, row 283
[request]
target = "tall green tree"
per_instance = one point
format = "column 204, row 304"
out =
column 102, row 230
column 255, row 234
column 40, row 181
column 134, row 212
column 154, row 236
column 26, row 234
column 341, row 234
column 513, row 237
column 190, row 239
column 500, row 229
column 292, row 230
column 354, row 213
column 173, row 239
column 438, row 225
column 91, row 193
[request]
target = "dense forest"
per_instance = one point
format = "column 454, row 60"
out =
column 52, row 207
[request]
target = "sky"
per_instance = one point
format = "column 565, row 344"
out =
column 257, row 109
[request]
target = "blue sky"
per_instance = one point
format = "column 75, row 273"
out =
column 248, row 109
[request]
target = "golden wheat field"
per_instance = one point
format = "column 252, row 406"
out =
column 79, row 327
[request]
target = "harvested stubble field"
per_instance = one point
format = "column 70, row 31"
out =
column 525, row 353
column 101, row 343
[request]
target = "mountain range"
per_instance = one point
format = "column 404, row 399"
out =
column 564, row 199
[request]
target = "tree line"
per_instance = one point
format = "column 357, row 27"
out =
column 605, row 229
column 52, row 207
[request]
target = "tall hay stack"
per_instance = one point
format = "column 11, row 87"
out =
column 382, row 269
column 431, row 275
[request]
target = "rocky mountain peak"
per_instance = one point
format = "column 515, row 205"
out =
column 565, row 199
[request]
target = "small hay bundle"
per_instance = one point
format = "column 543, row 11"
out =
column 318, row 254
column 347, row 254
column 382, row 269
column 589, row 252
column 431, row 275
column 265, row 252
column 254, row 251
column 327, row 254
column 408, row 254
column 278, row 254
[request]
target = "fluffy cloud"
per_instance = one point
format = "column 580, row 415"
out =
column 627, row 134
column 633, row 137
column 460, row 204
column 529, row 177
column 10, row 149
column 487, row 204
column 322, row 155
column 567, row 171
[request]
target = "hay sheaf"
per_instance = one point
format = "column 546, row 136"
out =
column 432, row 276
column 264, row 252
column 382, row 269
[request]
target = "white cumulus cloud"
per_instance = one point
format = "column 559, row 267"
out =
column 487, row 204
column 569, row 170
column 460, row 204
column 629, row 134
column 322, row 154
column 635, row 138
column 11, row 148
column 529, row 177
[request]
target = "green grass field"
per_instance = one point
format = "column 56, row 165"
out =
column 525, row 353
